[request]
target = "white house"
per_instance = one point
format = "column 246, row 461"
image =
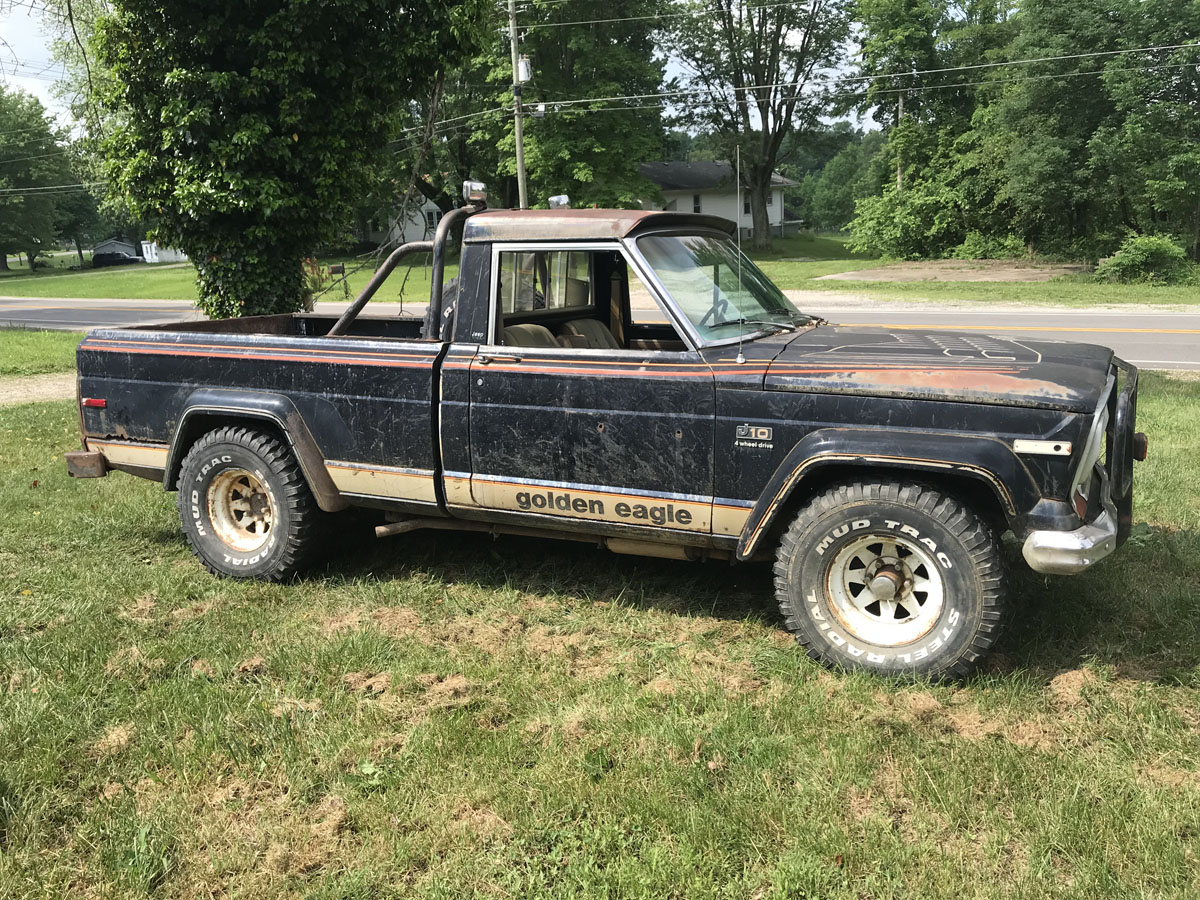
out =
column 422, row 221
column 709, row 187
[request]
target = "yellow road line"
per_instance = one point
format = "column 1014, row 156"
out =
column 1025, row 328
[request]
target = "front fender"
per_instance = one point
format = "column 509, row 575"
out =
column 209, row 408
column 985, row 459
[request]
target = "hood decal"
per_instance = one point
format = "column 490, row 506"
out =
column 942, row 365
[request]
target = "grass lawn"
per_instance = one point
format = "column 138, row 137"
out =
column 177, row 282
column 446, row 716
column 37, row 352
column 1069, row 291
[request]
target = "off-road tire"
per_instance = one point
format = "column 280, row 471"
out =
column 217, row 458
column 941, row 545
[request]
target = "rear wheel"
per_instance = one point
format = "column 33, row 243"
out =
column 245, row 507
column 893, row 578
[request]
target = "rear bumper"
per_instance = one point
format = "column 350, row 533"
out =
column 86, row 464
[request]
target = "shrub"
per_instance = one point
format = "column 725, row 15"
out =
column 1149, row 259
column 985, row 246
column 918, row 222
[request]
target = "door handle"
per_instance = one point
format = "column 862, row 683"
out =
column 484, row 360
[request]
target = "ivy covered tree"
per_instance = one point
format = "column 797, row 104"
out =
column 245, row 132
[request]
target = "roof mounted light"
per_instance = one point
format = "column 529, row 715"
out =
column 474, row 191
column 560, row 201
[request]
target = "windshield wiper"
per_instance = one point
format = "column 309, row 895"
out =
column 782, row 326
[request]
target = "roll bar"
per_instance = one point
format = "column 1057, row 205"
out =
column 437, row 246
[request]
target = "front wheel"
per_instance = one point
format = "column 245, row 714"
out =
column 245, row 507
column 892, row 578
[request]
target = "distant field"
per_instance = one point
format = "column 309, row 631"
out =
column 444, row 716
column 175, row 282
column 793, row 263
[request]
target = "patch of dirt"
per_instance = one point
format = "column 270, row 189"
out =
column 255, row 665
column 110, row 790
column 1164, row 776
column 481, row 821
column 114, row 740
column 141, row 609
column 447, row 692
column 192, row 611
column 202, row 668
column 396, row 621
column 131, row 661
column 367, row 682
column 1008, row 271
column 287, row 706
column 1066, row 688
column 345, row 622
column 36, row 388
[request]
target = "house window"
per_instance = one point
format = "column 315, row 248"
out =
column 432, row 217
column 695, row 203
column 746, row 206
column 770, row 198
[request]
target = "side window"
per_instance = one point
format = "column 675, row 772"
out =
column 558, row 279
column 695, row 203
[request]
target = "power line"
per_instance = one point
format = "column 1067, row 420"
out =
column 47, row 188
column 638, row 18
column 40, row 156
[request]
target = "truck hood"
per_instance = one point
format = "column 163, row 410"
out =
column 942, row 365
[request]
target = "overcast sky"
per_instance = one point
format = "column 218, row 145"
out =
column 25, row 55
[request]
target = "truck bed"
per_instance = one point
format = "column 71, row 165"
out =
column 367, row 399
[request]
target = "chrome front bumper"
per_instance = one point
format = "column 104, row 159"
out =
column 1070, row 552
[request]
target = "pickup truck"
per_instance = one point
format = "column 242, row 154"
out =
column 631, row 379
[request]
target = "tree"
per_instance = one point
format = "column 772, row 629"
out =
column 33, row 176
column 589, row 150
column 756, row 73
column 1154, row 153
column 246, row 132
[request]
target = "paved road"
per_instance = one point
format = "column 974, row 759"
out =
column 1152, row 340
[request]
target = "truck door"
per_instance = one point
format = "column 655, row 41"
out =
column 571, row 416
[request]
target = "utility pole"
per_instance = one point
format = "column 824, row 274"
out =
column 518, row 133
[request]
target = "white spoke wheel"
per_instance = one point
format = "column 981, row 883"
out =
column 890, row 577
column 885, row 590
column 241, row 509
column 245, row 506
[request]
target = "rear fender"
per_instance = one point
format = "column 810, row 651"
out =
column 206, row 409
column 988, row 460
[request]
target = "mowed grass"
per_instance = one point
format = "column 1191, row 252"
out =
column 37, row 352
column 446, row 715
column 178, row 282
column 1069, row 291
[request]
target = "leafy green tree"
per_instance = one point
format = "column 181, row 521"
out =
column 1153, row 154
column 245, row 132
column 33, row 171
column 757, row 73
column 590, row 150
column 845, row 179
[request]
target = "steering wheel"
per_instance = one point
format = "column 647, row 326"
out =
column 717, row 309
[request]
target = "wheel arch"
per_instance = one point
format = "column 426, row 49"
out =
column 980, row 470
column 206, row 410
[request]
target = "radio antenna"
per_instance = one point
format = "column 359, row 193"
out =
column 741, row 357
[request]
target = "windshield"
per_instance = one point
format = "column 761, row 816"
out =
column 718, row 288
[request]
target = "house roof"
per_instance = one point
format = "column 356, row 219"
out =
column 578, row 224
column 698, row 176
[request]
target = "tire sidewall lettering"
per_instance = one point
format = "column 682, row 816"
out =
column 215, row 460
column 818, row 547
